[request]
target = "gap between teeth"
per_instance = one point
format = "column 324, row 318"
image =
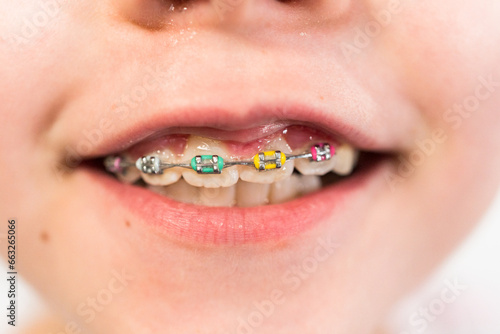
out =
column 341, row 163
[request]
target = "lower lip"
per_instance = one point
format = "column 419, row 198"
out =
column 233, row 225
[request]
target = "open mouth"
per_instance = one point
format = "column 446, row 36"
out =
column 284, row 164
column 227, row 178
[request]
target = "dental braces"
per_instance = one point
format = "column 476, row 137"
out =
column 214, row 164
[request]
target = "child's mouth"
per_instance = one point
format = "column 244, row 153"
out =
column 294, row 161
column 241, row 204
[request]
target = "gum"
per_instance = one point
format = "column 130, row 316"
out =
column 296, row 136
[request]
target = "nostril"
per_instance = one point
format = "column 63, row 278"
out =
column 158, row 15
column 145, row 14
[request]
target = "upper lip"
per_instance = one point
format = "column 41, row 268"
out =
column 351, row 114
column 226, row 124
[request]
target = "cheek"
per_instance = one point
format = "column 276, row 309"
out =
column 446, row 58
column 440, row 49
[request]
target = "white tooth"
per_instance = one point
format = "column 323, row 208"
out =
column 285, row 190
column 308, row 167
column 183, row 192
column 345, row 159
column 252, row 194
column 251, row 174
column 308, row 184
column 179, row 191
column 222, row 196
column 202, row 146
column 169, row 176
column 131, row 174
column 292, row 187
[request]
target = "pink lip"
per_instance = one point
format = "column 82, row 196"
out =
column 232, row 226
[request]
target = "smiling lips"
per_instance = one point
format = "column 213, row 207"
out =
column 203, row 179
column 186, row 167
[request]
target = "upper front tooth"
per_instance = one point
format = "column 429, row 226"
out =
column 251, row 174
column 169, row 176
column 203, row 146
column 345, row 158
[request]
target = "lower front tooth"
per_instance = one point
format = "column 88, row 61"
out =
column 223, row 196
column 284, row 190
column 308, row 184
column 252, row 194
column 292, row 187
column 179, row 191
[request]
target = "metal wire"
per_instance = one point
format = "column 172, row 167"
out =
column 117, row 164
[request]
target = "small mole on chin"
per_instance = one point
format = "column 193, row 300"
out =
column 127, row 223
column 44, row 236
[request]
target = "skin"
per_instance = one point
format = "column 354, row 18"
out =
column 427, row 58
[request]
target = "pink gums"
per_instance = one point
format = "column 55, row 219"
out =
column 297, row 136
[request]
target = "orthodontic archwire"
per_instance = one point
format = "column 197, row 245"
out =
column 214, row 164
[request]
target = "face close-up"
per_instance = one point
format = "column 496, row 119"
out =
column 239, row 166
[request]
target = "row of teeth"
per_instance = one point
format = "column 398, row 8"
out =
column 211, row 167
column 242, row 194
